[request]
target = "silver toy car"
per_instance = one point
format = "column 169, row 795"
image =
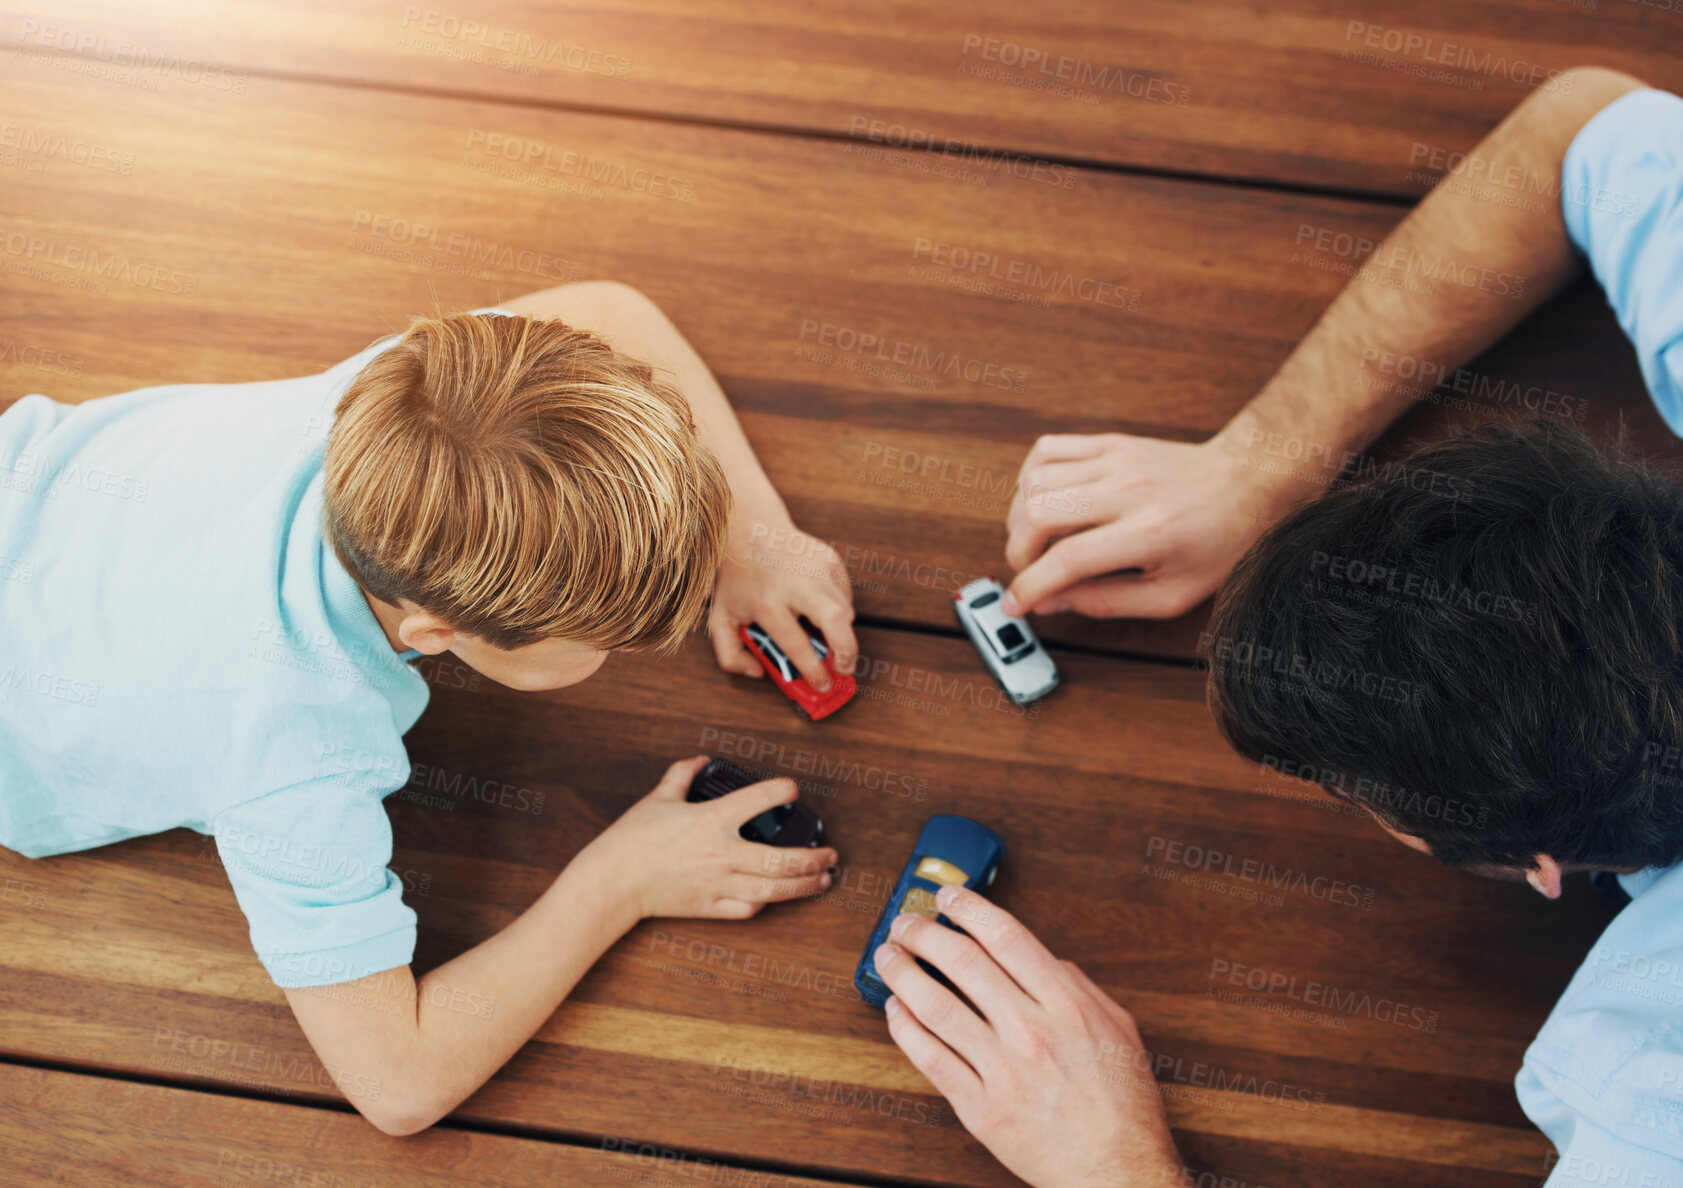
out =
column 1018, row 661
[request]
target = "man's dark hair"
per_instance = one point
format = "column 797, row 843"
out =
column 1480, row 643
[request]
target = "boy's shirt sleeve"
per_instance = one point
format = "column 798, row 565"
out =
column 310, row 867
column 1621, row 194
column 1592, row 1157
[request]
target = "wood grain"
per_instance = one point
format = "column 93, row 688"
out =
column 1351, row 96
column 94, row 1132
column 747, row 1041
column 261, row 235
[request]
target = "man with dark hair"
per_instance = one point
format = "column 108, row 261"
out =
column 1480, row 645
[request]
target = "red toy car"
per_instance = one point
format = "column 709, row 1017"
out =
column 811, row 703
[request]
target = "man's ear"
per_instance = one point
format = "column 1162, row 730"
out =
column 427, row 634
column 1544, row 876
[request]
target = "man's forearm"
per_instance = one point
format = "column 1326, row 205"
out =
column 1490, row 264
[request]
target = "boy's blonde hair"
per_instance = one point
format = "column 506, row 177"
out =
column 522, row 481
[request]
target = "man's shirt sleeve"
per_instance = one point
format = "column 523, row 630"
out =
column 309, row 866
column 1621, row 193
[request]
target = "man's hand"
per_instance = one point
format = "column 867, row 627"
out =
column 771, row 575
column 1109, row 524
column 1051, row 1076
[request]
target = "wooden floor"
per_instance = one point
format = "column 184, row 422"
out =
column 221, row 191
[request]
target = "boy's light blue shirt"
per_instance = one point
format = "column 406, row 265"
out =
column 179, row 646
column 1604, row 1077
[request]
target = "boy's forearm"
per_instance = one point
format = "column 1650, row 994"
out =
column 430, row 1044
column 475, row 1011
column 1458, row 273
column 637, row 327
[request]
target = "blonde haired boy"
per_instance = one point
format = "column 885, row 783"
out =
column 214, row 594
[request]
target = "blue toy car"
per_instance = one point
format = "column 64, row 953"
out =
column 950, row 849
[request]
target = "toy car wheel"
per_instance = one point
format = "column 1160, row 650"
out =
column 801, row 710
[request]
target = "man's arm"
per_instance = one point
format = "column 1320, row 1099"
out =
column 1050, row 1076
column 407, row 1052
column 1182, row 515
column 795, row 574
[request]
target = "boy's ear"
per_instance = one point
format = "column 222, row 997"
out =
column 1544, row 876
column 426, row 633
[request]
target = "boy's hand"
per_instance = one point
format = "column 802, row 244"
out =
column 772, row 574
column 1051, row 1076
column 674, row 858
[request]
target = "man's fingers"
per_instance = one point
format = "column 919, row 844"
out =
column 965, row 963
column 1005, row 939
column 1104, row 1001
column 1130, row 596
column 938, row 1009
column 787, row 633
column 1064, row 447
column 676, row 782
column 952, row 1078
column 1075, row 558
column 729, row 651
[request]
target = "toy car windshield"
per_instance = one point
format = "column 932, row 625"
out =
column 775, row 653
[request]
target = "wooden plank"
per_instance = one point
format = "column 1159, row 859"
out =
column 255, row 236
column 67, row 1128
column 1358, row 96
column 746, row 1041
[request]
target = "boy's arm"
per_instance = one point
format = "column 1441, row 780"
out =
column 406, row 1053
column 794, row 574
column 1184, row 514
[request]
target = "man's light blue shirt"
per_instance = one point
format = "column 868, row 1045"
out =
column 180, row 647
column 1604, row 1077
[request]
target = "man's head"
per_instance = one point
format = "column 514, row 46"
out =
column 1482, row 645
column 516, row 492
